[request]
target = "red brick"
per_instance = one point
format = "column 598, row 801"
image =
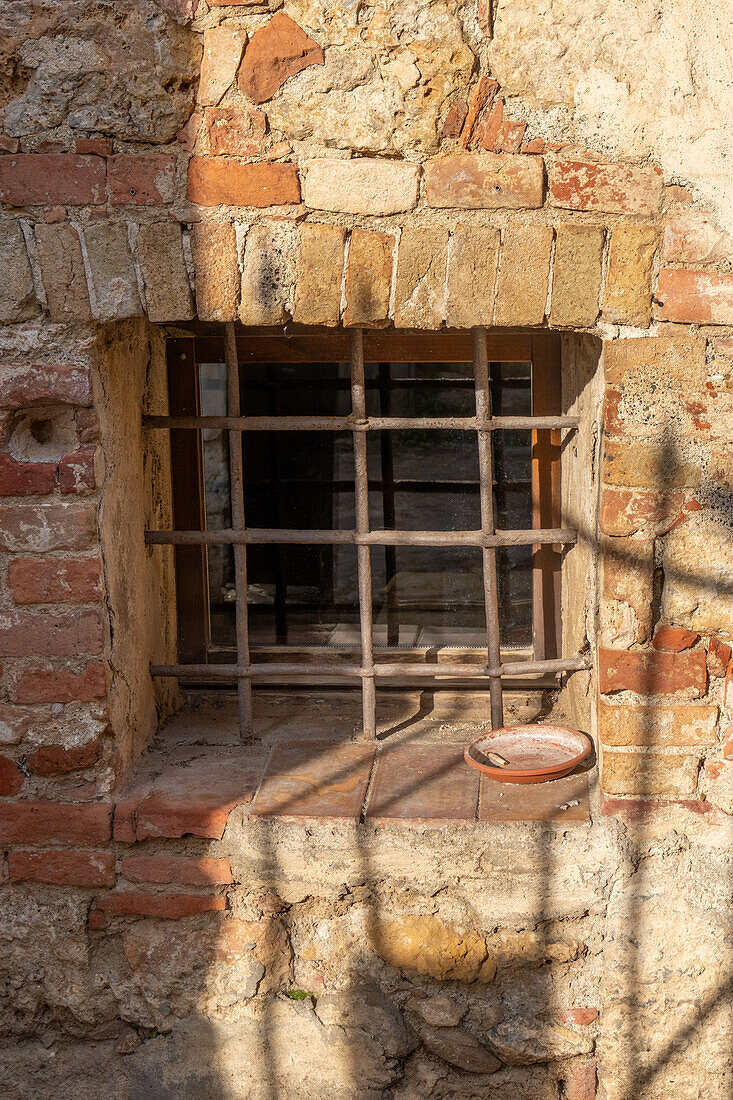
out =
column 719, row 655
column 580, row 1082
column 130, row 903
column 142, row 179
column 55, row 823
column 55, row 580
column 216, row 181
column 19, row 479
column 510, row 137
column 652, row 673
column 42, row 179
column 625, row 511
column 488, row 129
column 38, row 528
column 276, row 52
column 610, row 188
column 230, row 130
column 455, row 118
column 636, row 811
column 87, row 425
column 536, row 146
column 78, row 471
column 490, row 181
column 15, row 723
column 51, row 384
column 11, row 777
column 728, row 742
column 55, row 759
column 62, row 868
column 58, row 685
column 100, row 147
column 673, row 639
column 31, row 634
column 482, row 95
column 188, row 871
column 581, row 1017
column 699, row 297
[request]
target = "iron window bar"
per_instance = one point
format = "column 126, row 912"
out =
column 488, row 538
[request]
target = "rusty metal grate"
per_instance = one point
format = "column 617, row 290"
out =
column 358, row 423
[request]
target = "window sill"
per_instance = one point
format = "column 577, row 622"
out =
column 302, row 773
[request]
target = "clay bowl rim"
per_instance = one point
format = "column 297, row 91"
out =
column 529, row 775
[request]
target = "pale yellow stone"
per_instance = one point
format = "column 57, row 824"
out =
column 320, row 271
column 576, row 281
column 524, row 271
column 420, row 294
column 214, row 248
column 159, row 250
column 638, row 775
column 268, row 273
column 472, row 264
column 627, row 299
column 367, row 185
column 425, row 945
column 369, row 278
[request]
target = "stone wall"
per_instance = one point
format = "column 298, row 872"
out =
column 367, row 163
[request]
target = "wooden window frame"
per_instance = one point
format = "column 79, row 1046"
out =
column 297, row 344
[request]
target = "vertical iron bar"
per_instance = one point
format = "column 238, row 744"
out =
column 363, row 559
column 236, row 491
column 388, row 504
column 486, row 488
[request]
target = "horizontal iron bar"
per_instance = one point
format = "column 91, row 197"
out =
column 350, row 424
column 381, row 671
column 284, row 537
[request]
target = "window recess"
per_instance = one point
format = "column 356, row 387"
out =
column 392, row 517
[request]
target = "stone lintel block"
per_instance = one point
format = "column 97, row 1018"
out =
column 113, row 275
column 576, row 281
column 649, row 726
column 159, row 249
column 214, row 249
column 485, row 181
column 369, row 278
column 268, row 273
column 62, row 271
column 17, row 294
column 365, row 185
column 320, row 272
column 607, row 188
column 661, row 775
column 421, row 271
column 524, row 273
column 661, row 358
column 627, row 299
column 472, row 262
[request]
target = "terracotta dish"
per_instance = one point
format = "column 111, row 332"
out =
column 535, row 754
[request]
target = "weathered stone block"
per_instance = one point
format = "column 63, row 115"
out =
column 277, row 51
column 113, row 275
column 660, row 358
column 421, row 263
column 473, row 256
column 524, row 272
column 576, row 280
column 366, row 185
column 163, row 267
column 657, row 726
column 484, row 181
column 671, row 775
column 224, row 181
column 62, row 271
column 628, row 572
column 223, row 48
column 320, row 272
column 610, row 188
column 718, row 782
column 426, row 945
column 214, row 250
column 698, row 297
column 369, row 278
column 697, row 558
column 627, row 299
column 693, row 238
column 17, row 294
column 648, row 465
column 268, row 273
